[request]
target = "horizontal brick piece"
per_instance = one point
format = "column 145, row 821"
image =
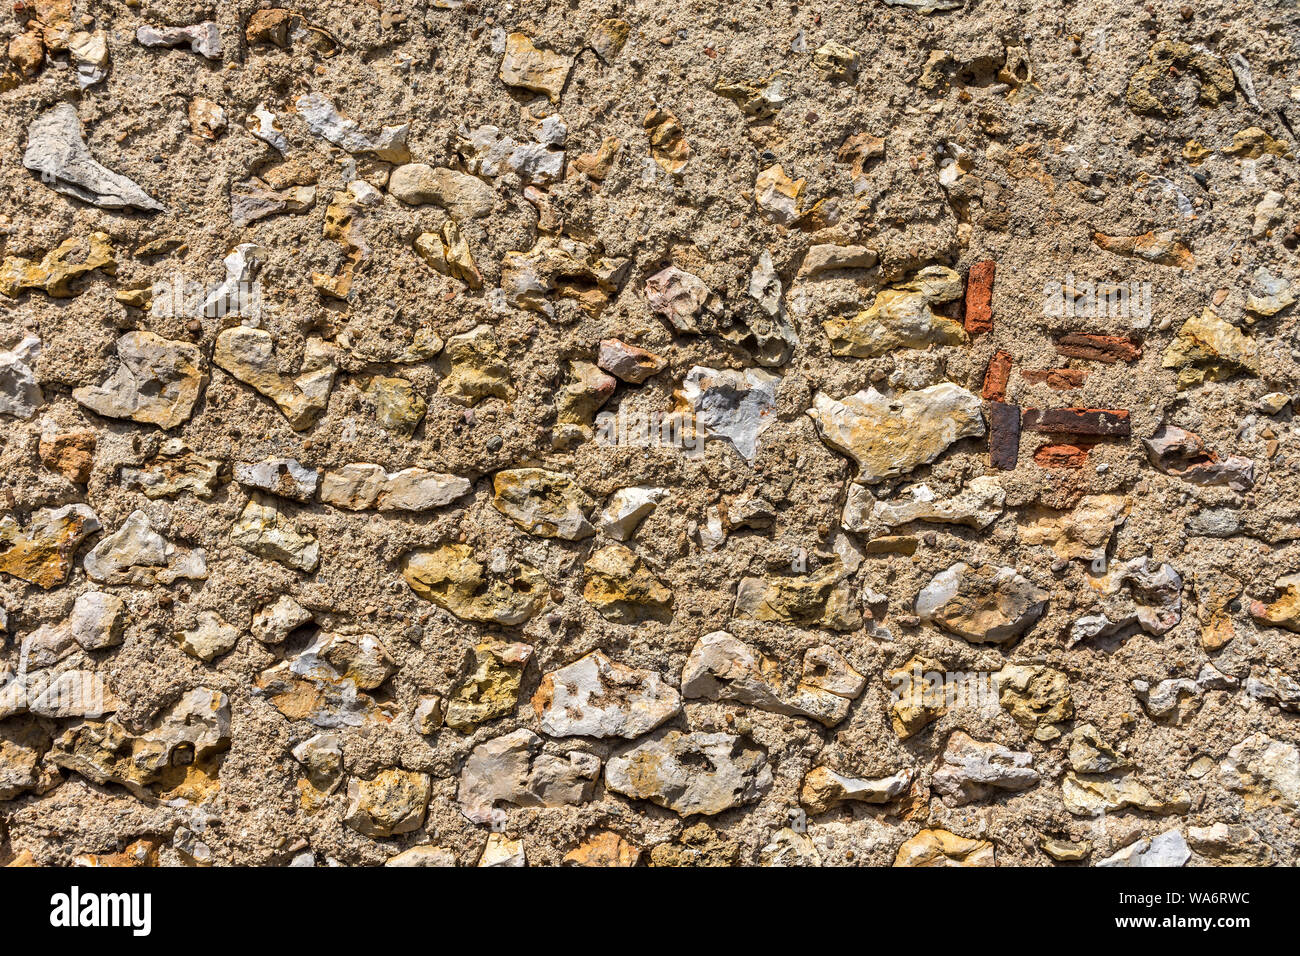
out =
column 979, row 297
column 1062, row 455
column 1061, row 379
column 995, row 377
column 1004, row 435
column 1106, row 422
column 1098, row 348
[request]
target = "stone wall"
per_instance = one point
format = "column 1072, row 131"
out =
column 622, row 433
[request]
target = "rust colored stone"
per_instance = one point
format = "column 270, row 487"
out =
column 979, row 297
column 995, row 377
column 1061, row 379
column 1098, row 348
column 1004, row 435
column 1062, row 455
column 1108, row 422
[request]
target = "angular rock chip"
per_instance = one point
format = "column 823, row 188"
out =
column 668, row 143
column 735, row 406
column 721, row 667
column 54, row 273
column 174, row 470
column 512, row 770
column 605, row 848
column 361, row 485
column 462, row 195
column 918, row 697
column 778, row 196
column 157, row 382
column 596, row 697
column 823, row 789
column 273, row 622
column 249, row 355
column 1176, row 451
column 532, row 68
column 623, row 588
column 264, row 530
column 977, row 506
column 902, row 317
column 57, row 151
column 678, row 296
column 889, row 436
column 691, row 773
column 973, row 770
column 191, row 737
column 627, row 362
column 203, row 38
column 478, row 368
column 1137, row 592
column 209, row 638
column 627, row 508
column 545, row 503
column 1169, row 849
column 1037, row 698
column 43, row 553
column 984, row 605
column 491, row 688
column 20, row 393
column 136, row 554
column 1209, row 349
column 285, row 477
column 1084, row 532
column 393, row 801
column 1264, row 771
column 941, row 847
column 451, row 578
column 1162, row 248
column 1285, row 611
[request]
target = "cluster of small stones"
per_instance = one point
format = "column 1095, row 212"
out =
column 331, row 533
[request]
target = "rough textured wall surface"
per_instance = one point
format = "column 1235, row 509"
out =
column 623, row 433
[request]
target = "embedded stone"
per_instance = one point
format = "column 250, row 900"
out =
column 988, row 604
column 451, row 578
column 721, row 667
column 42, row 554
column 157, row 382
column 490, row 689
column 545, row 503
column 266, row 531
column 823, row 789
column 209, row 638
column 691, row 773
column 57, row 151
column 623, row 589
column 890, row 436
column 973, row 770
column 734, row 406
column 626, row 509
column 940, row 847
column 392, row 802
column 285, row 477
column 901, row 317
column 478, row 368
column 596, row 697
column 249, row 355
column 533, row 68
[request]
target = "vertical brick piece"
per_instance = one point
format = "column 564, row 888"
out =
column 1004, row 435
column 996, row 376
column 979, row 297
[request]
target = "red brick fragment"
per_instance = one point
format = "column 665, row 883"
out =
column 1108, row 422
column 1098, row 348
column 1061, row 379
column 979, row 297
column 1004, row 435
column 995, row 377
column 1062, row 455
